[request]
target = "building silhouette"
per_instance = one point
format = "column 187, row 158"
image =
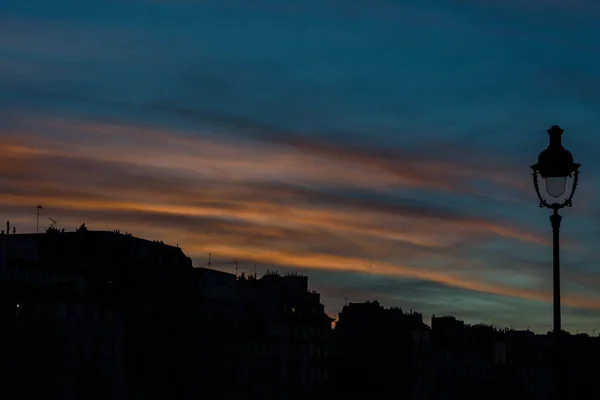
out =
column 289, row 336
column 378, row 353
column 467, row 360
column 89, row 314
column 97, row 315
column 217, row 343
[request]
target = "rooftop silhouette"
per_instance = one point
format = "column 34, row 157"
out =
column 101, row 314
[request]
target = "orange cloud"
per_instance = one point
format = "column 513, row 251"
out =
column 250, row 205
column 340, row 263
column 238, row 198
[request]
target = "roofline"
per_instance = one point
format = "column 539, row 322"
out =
column 42, row 234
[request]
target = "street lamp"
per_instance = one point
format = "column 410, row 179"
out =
column 556, row 167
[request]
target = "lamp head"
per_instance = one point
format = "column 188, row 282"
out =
column 555, row 164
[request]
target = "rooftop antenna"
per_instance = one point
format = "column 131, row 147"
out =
column 346, row 299
column 209, row 260
column 236, row 268
column 8, row 227
column 39, row 208
column 53, row 224
column 255, row 274
column 252, row 270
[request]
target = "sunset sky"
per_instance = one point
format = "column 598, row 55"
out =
column 381, row 147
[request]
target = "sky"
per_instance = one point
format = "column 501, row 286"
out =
column 382, row 148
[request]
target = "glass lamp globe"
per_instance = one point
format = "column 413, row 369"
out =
column 555, row 164
column 556, row 186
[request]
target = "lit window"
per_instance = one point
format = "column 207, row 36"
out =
column 293, row 309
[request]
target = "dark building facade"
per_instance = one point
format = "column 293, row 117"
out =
column 215, row 333
column 288, row 338
column 103, row 315
column 80, row 312
column 380, row 353
column 97, row 315
column 469, row 362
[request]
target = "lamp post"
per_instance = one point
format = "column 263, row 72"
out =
column 555, row 166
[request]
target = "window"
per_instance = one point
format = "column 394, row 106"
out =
column 62, row 310
column 18, row 273
column 79, row 346
column 97, row 350
column 37, row 276
column 110, row 348
column 79, row 312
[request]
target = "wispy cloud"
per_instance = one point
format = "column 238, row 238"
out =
column 273, row 203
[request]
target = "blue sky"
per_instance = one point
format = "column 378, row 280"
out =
column 381, row 147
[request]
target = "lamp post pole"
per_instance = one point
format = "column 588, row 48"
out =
column 555, row 219
column 555, row 165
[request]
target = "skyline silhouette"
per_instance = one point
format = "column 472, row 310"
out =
column 245, row 269
column 103, row 314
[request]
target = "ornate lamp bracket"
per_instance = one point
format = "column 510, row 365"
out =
column 555, row 206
